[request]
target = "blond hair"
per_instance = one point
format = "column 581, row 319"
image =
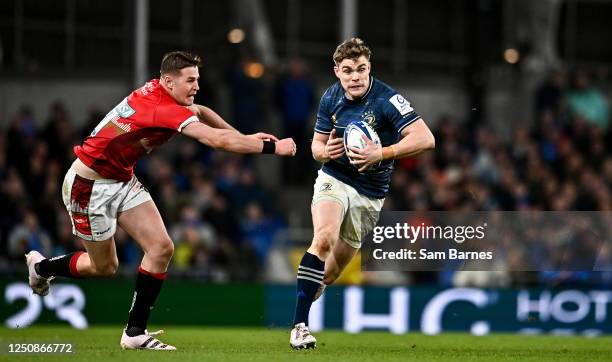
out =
column 352, row 48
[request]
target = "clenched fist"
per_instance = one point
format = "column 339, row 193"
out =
column 285, row 147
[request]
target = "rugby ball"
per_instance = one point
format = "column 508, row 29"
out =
column 353, row 137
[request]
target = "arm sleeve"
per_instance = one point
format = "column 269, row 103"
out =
column 175, row 117
column 324, row 122
column 399, row 112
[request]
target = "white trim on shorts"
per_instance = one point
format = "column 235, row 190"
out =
column 93, row 205
column 355, row 206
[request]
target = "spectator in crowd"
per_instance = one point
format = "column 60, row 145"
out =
column 21, row 137
column 28, row 235
column 587, row 102
column 295, row 99
column 549, row 95
column 191, row 222
column 13, row 201
column 58, row 134
column 191, row 250
column 258, row 230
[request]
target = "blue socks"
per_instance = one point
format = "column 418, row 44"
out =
column 309, row 278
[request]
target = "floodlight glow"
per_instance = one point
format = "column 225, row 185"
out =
column 235, row 36
column 254, row 70
column 511, row 56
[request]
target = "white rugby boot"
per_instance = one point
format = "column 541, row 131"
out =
column 145, row 341
column 39, row 284
column 301, row 337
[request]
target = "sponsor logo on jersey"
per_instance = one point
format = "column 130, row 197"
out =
column 75, row 207
column 325, row 187
column 369, row 118
column 125, row 127
column 81, row 223
column 103, row 231
column 124, row 109
column 401, row 104
column 333, row 119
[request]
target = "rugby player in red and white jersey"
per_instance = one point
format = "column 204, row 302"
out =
column 100, row 188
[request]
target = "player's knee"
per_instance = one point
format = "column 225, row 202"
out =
column 162, row 251
column 322, row 242
column 167, row 249
column 325, row 237
column 107, row 268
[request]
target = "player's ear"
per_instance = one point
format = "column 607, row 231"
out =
column 337, row 71
column 168, row 80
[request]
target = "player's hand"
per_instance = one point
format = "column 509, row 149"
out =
column 285, row 147
column 334, row 148
column 264, row 136
column 364, row 158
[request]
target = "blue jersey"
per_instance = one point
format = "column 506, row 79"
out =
column 385, row 110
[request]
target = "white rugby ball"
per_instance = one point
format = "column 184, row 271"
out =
column 353, row 137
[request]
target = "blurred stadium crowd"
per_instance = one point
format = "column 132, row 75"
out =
column 224, row 223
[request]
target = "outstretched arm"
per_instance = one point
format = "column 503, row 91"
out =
column 212, row 119
column 234, row 141
column 209, row 117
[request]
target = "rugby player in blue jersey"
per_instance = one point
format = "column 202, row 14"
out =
column 348, row 195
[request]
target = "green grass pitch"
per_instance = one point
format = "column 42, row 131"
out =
column 252, row 344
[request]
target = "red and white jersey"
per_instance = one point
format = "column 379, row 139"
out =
column 147, row 118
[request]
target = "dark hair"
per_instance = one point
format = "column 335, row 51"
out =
column 173, row 62
column 352, row 48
